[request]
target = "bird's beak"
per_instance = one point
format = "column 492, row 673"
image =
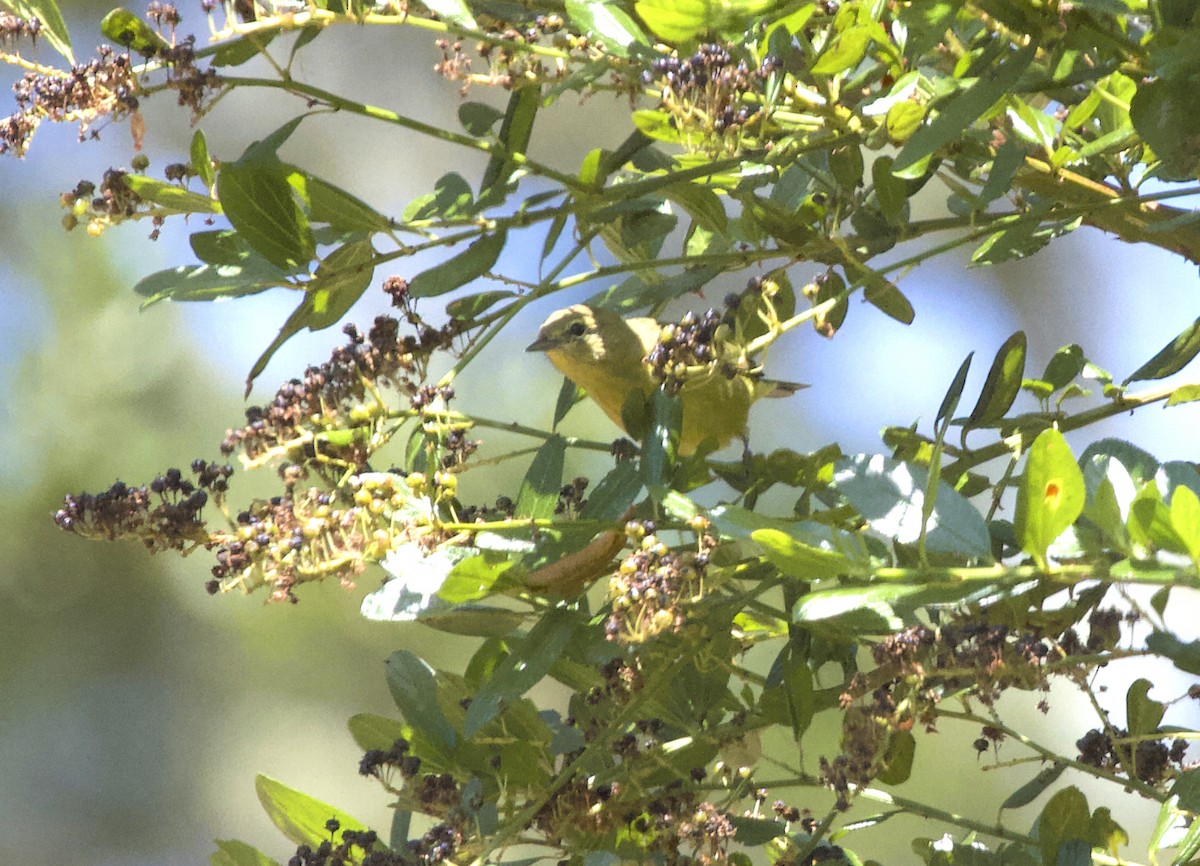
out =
column 541, row 344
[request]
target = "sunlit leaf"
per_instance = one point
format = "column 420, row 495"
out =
column 1050, row 496
column 301, row 818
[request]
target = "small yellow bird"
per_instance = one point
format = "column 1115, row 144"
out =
column 606, row 355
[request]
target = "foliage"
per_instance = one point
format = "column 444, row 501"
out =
column 762, row 134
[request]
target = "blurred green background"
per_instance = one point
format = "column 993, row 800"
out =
column 134, row 708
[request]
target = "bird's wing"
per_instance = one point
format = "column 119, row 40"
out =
column 647, row 331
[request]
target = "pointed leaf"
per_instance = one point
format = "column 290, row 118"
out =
column 170, row 195
column 1142, row 715
column 414, row 687
column 605, row 21
column 797, row 559
column 959, row 112
column 1033, row 789
column 299, row 817
column 1172, row 358
column 1003, row 382
column 258, row 201
column 528, row 662
column 543, row 481
column 472, row 263
column 231, row 852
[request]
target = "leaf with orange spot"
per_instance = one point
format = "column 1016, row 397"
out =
column 1050, row 496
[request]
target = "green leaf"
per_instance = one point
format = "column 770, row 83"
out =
column 371, row 731
column 208, row 282
column 201, row 161
column 890, row 495
column 451, row 197
column 515, row 134
column 259, row 203
column 478, row 118
column 615, row 493
column 455, row 12
column 847, row 51
column 54, row 28
column 299, row 817
column 470, row 307
column 655, row 124
column 543, row 481
column 1172, row 358
column 950, row 402
column 1142, row 715
column 1164, row 114
column 680, row 20
column 231, row 852
column 1149, row 522
column 472, row 263
column 1033, row 789
column 960, row 111
column 891, row 192
column 1185, row 656
column 898, row 758
column 1009, row 158
column 1003, row 382
column 340, row 280
column 701, row 204
column 903, row 120
column 1067, row 363
column 235, row 52
column 127, row 29
column 569, row 394
column 413, row 687
column 1185, row 520
column 528, row 662
column 1187, row 788
column 756, row 831
column 608, row 23
column 881, row 293
column 797, row 559
column 660, row 447
column 170, row 195
column 1065, row 818
column 333, row 205
column 1050, row 496
column 1184, row 394
column 472, row 578
column 788, row 697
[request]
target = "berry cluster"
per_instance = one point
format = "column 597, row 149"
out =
column 711, row 98
column 329, row 854
column 1150, row 761
column 301, row 537
column 691, row 342
column 166, row 515
column 654, row 584
column 377, row 762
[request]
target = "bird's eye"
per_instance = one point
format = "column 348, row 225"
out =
column 577, row 329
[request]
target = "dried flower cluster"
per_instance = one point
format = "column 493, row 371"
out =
column 345, row 387
column 712, row 99
column 85, row 94
column 13, row 28
column 106, row 87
